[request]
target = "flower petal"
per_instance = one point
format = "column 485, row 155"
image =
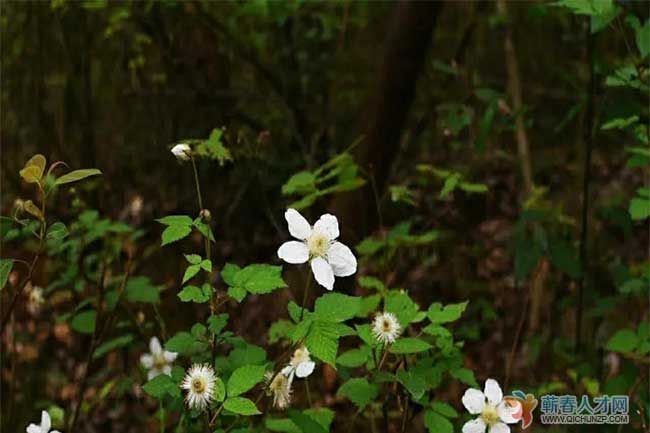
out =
column 170, row 356
column 146, row 361
column 328, row 225
column 341, row 259
column 304, row 369
column 323, row 272
column 294, row 252
column 474, row 401
column 33, row 428
column 45, row 422
column 474, row 426
column 493, row 392
column 167, row 369
column 499, row 428
column 154, row 346
column 287, row 370
column 153, row 373
column 509, row 414
column 298, row 225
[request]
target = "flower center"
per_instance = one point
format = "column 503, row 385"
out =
column 159, row 361
column 299, row 356
column 490, row 415
column 317, row 244
column 198, row 385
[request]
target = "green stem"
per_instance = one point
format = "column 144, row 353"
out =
column 303, row 306
column 162, row 417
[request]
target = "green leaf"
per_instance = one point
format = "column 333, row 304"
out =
column 255, row 278
column 624, row 341
column 241, row 406
column 160, row 386
column 84, row 322
column 5, row 269
column 409, row 345
column 219, row 390
column 305, row 423
column 245, row 378
column 237, row 293
column 193, row 259
column 354, row 357
column 436, row 423
column 184, row 343
column 279, row 330
column 465, row 375
column 190, row 272
column 113, row 344
column 485, row 127
column 174, row 233
column 77, row 175
column 323, row 341
column 639, row 208
column 450, row 313
column 34, row 168
column 140, row 289
column 400, row 304
column 206, row 265
column 359, row 391
column 195, row 294
column 336, row 307
column 414, row 383
column 175, row 220
column 564, row 257
column 217, row 322
column 444, row 409
column 372, row 283
column 302, row 182
column 57, row 231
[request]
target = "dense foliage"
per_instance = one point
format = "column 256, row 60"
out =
column 313, row 217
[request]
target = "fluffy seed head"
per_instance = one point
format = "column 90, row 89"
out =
column 386, row 328
column 199, row 382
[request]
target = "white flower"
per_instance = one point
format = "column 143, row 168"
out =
column 182, row 151
column 36, row 299
column 158, row 361
column 494, row 412
column 300, row 364
column 318, row 245
column 280, row 387
column 199, row 383
column 44, row 427
column 386, row 328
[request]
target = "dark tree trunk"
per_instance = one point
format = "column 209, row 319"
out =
column 407, row 41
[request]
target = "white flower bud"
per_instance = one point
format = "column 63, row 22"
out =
column 182, row 151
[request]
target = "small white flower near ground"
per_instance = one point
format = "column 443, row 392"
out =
column 318, row 245
column 494, row 411
column 158, row 361
column 182, row 151
column 300, row 364
column 36, row 300
column 199, row 382
column 279, row 386
column 46, row 423
column 386, row 328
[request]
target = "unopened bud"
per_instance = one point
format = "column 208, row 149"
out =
column 205, row 215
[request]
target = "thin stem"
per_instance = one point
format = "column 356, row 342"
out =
column 196, row 183
column 383, row 358
column 162, row 417
column 303, row 306
column 588, row 136
column 307, row 391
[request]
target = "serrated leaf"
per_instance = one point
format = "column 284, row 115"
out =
column 436, row 423
column 245, row 378
column 174, row 233
column 354, row 357
column 193, row 259
column 409, row 345
column 449, row 313
column 259, row 278
column 359, row 391
column 237, row 293
column 191, row 272
column 160, row 386
column 322, row 340
column 5, row 269
column 57, row 231
column 413, row 382
column 84, row 322
column 206, row 265
column 400, row 304
column 175, row 220
column 624, row 341
column 195, row 294
column 336, row 307
column 217, row 322
column 184, row 343
column 77, row 175
column 465, row 375
column 241, row 406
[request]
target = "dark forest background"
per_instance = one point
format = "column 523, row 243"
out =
column 504, row 94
